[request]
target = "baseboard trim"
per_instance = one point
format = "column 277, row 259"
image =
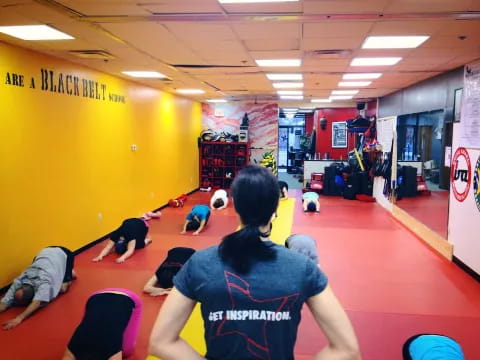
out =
column 466, row 268
column 430, row 237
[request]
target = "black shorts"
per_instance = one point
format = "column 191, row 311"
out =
column 70, row 263
column 100, row 334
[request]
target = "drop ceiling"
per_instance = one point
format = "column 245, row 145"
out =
column 207, row 45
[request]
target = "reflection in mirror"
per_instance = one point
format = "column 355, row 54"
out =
column 423, row 180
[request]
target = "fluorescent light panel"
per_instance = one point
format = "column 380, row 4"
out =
column 190, row 91
column 35, row 32
column 252, row 1
column 344, row 92
column 381, row 61
column 354, row 83
column 361, row 76
column 321, row 100
column 279, row 62
column 284, row 77
column 145, row 74
column 216, row 100
column 289, row 109
column 291, row 97
column 341, row 97
column 393, row 42
column 288, row 85
column 290, row 92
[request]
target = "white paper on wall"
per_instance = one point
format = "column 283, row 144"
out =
column 470, row 114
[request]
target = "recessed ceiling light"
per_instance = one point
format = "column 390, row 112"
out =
column 354, row 83
column 35, row 32
column 279, row 62
column 393, row 42
column 190, row 91
column 288, row 85
column 341, row 97
column 252, row 1
column 290, row 92
column 344, row 92
column 283, row 77
column 321, row 100
column 216, row 100
column 361, row 76
column 144, row 74
column 291, row 97
column 306, row 111
column 381, row 61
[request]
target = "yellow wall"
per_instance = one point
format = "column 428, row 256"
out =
column 65, row 159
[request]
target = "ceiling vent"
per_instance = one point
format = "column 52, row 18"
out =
column 329, row 54
column 92, row 54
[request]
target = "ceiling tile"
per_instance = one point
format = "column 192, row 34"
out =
column 412, row 27
column 267, row 30
column 339, row 43
column 279, row 44
column 428, row 6
column 334, row 29
column 343, row 6
column 105, row 8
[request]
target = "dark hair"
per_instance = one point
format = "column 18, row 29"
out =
column 121, row 247
column 255, row 197
column 193, row 224
column 27, row 294
column 311, row 206
column 165, row 276
column 218, row 203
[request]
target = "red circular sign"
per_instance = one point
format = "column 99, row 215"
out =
column 461, row 174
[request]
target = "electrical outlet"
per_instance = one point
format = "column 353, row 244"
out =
column 134, row 147
column 100, row 216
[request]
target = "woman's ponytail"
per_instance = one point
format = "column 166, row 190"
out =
column 244, row 247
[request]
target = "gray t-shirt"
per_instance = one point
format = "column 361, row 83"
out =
column 45, row 274
column 254, row 315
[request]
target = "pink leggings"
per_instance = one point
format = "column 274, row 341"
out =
column 131, row 331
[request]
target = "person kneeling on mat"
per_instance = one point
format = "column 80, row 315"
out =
column 432, row 347
column 109, row 327
column 219, row 200
column 283, row 189
column 303, row 244
column 131, row 235
column 162, row 282
column 310, row 202
column 196, row 219
column 50, row 274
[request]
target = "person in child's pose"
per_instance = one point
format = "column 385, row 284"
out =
column 303, row 244
column 251, row 290
column 196, row 219
column 283, row 189
column 51, row 273
column 311, row 202
column 109, row 327
column 130, row 236
column 219, row 200
column 162, row 282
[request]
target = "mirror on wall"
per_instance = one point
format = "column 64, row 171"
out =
column 423, row 156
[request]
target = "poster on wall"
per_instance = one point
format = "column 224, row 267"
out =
column 470, row 113
column 339, row 134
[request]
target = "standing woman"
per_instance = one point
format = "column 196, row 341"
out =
column 109, row 327
column 251, row 290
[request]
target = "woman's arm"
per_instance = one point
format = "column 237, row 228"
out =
column 200, row 228
column 333, row 320
column 185, row 227
column 106, row 250
column 165, row 340
column 130, row 250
